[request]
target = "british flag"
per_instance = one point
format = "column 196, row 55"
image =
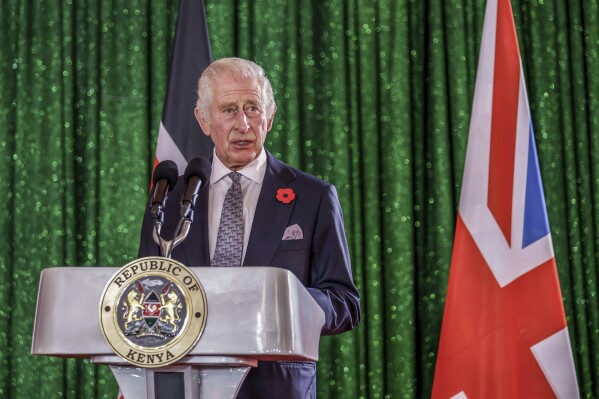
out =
column 504, row 332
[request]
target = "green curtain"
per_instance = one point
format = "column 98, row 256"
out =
column 373, row 96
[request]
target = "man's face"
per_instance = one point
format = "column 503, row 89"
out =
column 237, row 122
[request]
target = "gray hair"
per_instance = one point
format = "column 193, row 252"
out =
column 237, row 68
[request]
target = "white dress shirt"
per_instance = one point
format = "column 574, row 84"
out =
column 252, row 176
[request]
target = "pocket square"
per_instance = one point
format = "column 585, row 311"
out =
column 293, row 232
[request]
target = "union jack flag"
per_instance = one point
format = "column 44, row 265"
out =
column 504, row 332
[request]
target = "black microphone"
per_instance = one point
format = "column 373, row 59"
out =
column 196, row 177
column 165, row 178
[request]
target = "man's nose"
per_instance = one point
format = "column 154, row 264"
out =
column 241, row 122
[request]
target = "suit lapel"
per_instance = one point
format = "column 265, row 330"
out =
column 271, row 217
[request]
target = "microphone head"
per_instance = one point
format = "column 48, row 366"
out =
column 166, row 170
column 199, row 167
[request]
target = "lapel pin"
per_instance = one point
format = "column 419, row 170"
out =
column 285, row 195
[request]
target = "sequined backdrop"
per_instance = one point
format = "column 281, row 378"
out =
column 373, row 96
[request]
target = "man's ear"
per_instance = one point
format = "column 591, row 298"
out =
column 270, row 121
column 204, row 124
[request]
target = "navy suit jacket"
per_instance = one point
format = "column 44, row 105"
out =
column 320, row 261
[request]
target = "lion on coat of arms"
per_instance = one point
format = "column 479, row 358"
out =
column 133, row 307
column 169, row 309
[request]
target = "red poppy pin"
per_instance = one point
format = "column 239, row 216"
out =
column 285, row 195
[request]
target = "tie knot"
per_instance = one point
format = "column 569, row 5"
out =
column 235, row 177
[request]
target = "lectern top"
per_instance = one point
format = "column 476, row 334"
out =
column 261, row 312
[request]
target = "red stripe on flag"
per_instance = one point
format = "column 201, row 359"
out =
column 506, row 84
column 156, row 162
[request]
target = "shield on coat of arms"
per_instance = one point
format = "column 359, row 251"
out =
column 151, row 310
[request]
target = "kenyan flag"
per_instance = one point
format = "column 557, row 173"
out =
column 180, row 138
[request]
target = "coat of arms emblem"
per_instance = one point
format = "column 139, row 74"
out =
column 147, row 313
column 153, row 311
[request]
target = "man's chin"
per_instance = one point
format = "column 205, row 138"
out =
column 242, row 160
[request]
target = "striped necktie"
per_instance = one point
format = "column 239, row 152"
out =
column 229, row 241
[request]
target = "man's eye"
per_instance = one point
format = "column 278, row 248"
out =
column 252, row 110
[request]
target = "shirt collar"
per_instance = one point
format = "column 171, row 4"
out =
column 254, row 170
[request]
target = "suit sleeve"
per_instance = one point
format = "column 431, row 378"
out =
column 331, row 283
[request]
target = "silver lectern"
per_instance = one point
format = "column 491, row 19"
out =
column 253, row 313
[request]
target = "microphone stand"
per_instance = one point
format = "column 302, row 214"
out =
column 167, row 246
column 197, row 171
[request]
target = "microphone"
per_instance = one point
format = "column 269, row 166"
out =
column 165, row 178
column 196, row 177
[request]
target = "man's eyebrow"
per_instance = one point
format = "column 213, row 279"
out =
column 226, row 104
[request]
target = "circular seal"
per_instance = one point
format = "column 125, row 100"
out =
column 153, row 311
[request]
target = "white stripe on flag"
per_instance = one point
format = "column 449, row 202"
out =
column 167, row 149
column 551, row 354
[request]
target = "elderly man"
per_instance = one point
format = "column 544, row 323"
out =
column 286, row 218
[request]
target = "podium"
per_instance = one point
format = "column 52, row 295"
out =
column 253, row 314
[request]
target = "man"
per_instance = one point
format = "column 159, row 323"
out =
column 290, row 219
